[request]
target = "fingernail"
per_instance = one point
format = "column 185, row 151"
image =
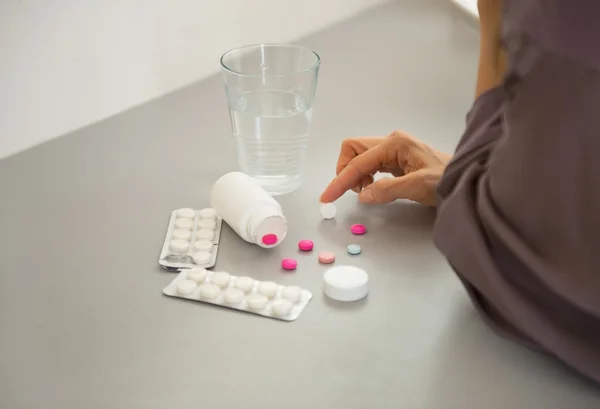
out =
column 366, row 196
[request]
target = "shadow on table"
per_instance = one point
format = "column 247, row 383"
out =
column 471, row 366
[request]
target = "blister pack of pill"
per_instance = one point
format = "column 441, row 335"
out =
column 192, row 239
column 264, row 298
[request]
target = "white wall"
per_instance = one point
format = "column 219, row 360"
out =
column 67, row 63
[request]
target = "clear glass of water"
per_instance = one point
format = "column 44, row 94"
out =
column 270, row 91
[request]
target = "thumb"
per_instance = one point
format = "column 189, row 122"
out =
column 389, row 189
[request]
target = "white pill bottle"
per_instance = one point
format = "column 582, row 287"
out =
column 249, row 210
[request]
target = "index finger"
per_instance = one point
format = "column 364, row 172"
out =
column 362, row 165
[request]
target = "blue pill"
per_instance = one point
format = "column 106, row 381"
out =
column 354, row 249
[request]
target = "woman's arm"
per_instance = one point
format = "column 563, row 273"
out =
column 518, row 215
column 492, row 59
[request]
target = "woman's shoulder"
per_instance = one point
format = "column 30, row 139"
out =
column 565, row 28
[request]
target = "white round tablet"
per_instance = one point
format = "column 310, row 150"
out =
column 179, row 234
column 180, row 246
column 268, row 288
column 209, row 224
column 197, row 275
column 234, row 296
column 209, row 291
column 207, row 213
column 186, row 287
column 244, row 283
column 328, row 210
column 256, row 301
column 292, row 294
column 203, row 245
column 221, row 278
column 186, row 213
column 346, row 283
column 205, row 234
column 201, row 257
column 184, row 224
column 281, row 307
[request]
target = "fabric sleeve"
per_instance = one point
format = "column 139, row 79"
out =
column 518, row 214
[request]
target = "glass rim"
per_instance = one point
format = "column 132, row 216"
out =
column 241, row 74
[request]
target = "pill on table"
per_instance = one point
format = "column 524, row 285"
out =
column 326, row 257
column 268, row 288
column 244, row 283
column 197, row 275
column 180, row 246
column 289, row 264
column 205, row 234
column 346, row 283
column 256, row 301
column 179, row 234
column 354, row 249
column 186, row 287
column 209, row 291
column 221, row 278
column 306, row 245
column 281, row 307
column 269, row 239
column 208, row 213
column 292, row 294
column 328, row 210
column 233, row 296
column 203, row 245
column 185, row 213
column 201, row 257
column 358, row 229
column 209, row 224
column 184, row 224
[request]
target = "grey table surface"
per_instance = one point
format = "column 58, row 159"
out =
column 83, row 323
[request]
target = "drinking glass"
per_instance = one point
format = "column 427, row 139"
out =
column 270, row 91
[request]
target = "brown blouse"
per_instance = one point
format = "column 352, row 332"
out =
column 519, row 207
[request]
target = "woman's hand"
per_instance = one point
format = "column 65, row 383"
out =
column 416, row 167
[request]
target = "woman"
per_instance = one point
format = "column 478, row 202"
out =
column 519, row 202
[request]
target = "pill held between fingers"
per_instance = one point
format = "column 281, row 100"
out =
column 289, row 264
column 184, row 224
column 209, row 291
column 180, row 234
column 208, row 213
column 186, row 287
column 221, row 278
column 256, row 301
column 186, row 213
column 234, row 296
column 326, row 257
column 209, row 224
column 201, row 257
column 197, row 275
column 354, row 249
column 358, row 229
column 281, row 307
column 268, row 288
column 205, row 234
column 306, row 245
column 292, row 294
column 203, row 245
column 244, row 283
column 180, row 246
column 328, row 210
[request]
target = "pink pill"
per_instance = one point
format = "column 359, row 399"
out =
column 358, row 229
column 306, row 245
column 269, row 239
column 326, row 257
column 289, row 264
